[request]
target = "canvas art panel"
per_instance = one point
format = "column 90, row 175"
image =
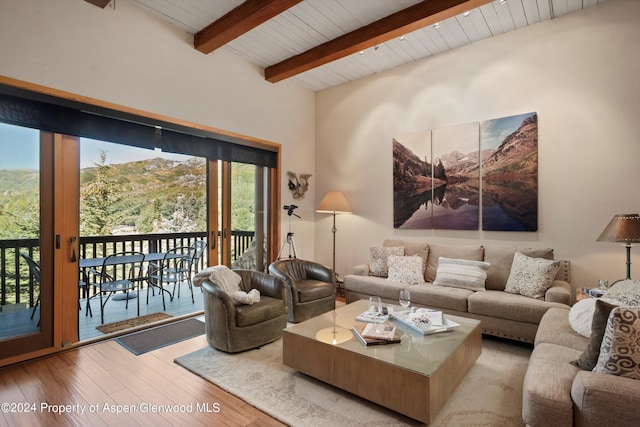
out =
column 456, row 177
column 456, row 190
column 412, row 181
column 509, row 148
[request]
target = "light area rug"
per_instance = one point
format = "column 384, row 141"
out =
column 490, row 394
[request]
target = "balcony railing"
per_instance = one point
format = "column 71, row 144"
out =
column 17, row 285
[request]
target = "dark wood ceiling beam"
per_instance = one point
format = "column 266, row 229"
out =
column 240, row 20
column 395, row 25
column 99, row 3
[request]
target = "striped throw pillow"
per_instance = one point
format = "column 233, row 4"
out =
column 461, row 273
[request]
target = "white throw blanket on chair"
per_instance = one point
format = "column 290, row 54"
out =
column 229, row 282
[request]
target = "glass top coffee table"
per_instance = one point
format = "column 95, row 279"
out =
column 415, row 377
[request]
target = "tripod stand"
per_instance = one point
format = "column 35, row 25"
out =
column 292, row 246
column 289, row 240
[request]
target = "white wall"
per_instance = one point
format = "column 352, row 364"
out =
column 579, row 72
column 128, row 57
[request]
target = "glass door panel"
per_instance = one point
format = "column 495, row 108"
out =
column 248, row 216
column 149, row 201
column 25, row 289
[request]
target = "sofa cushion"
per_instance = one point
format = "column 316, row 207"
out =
column 410, row 249
column 474, row 253
column 371, row 285
column 501, row 258
column 311, row 290
column 620, row 349
column 509, row 306
column 546, row 399
column 439, row 297
column 406, row 269
column 267, row 308
column 554, row 328
column 531, row 277
column 378, row 259
column 589, row 356
column 461, row 273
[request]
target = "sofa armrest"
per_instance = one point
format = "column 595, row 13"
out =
column 605, row 400
column 559, row 291
column 361, row 270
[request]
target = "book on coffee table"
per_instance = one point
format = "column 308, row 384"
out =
column 366, row 337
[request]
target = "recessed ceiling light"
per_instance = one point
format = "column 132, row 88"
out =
column 466, row 14
column 503, row 1
column 401, row 38
column 436, row 25
column 361, row 52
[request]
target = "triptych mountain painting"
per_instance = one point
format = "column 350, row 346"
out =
column 459, row 177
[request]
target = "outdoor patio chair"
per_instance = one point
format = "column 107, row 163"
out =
column 311, row 289
column 178, row 266
column 120, row 272
column 34, row 269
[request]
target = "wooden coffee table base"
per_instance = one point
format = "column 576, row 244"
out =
column 410, row 393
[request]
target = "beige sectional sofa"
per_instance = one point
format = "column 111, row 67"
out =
column 502, row 313
column 557, row 393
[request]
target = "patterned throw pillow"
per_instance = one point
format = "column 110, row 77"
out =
column 620, row 349
column 378, row 264
column 406, row 269
column 625, row 293
column 589, row 356
column 461, row 273
column 531, row 277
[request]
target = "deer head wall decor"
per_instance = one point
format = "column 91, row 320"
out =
column 298, row 185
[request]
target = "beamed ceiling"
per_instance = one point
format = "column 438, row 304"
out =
column 323, row 43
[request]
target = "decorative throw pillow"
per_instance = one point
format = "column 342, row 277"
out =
column 581, row 316
column 620, row 349
column 406, row 269
column 625, row 292
column 410, row 248
column 378, row 264
column 461, row 273
column 501, row 258
column 472, row 252
column 531, row 277
column 589, row 356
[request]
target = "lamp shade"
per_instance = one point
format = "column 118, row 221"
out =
column 334, row 202
column 624, row 228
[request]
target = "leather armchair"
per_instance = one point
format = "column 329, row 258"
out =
column 233, row 327
column 311, row 289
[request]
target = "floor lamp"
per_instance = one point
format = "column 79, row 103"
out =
column 624, row 229
column 334, row 203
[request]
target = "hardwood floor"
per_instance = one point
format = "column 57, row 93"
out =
column 105, row 375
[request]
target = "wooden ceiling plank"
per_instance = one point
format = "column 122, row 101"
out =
column 240, row 20
column 100, row 3
column 410, row 19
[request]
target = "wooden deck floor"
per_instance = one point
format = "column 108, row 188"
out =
column 19, row 322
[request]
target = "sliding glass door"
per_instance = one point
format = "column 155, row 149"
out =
column 248, row 216
column 26, row 279
column 232, row 202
